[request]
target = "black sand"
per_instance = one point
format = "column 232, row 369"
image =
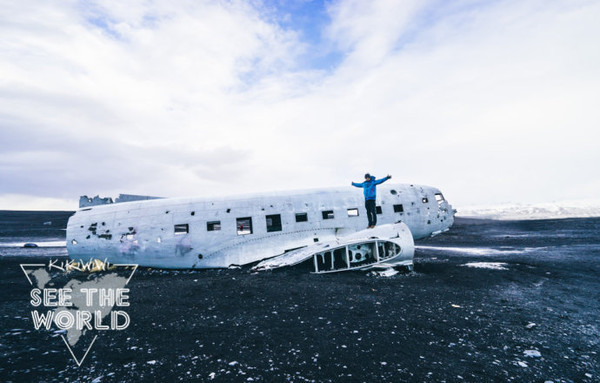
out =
column 443, row 322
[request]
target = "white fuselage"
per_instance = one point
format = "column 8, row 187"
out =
column 220, row 232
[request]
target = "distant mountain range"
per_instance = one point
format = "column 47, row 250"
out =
column 550, row 210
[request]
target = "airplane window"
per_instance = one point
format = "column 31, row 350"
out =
column 378, row 209
column 213, row 226
column 353, row 212
column 439, row 198
column 398, row 208
column 244, row 226
column 425, row 200
column 301, row 217
column 273, row 223
column 327, row 214
column 182, row 228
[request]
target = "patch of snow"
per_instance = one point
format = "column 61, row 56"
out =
column 479, row 250
column 487, row 265
column 551, row 210
column 386, row 272
column 39, row 244
column 532, row 353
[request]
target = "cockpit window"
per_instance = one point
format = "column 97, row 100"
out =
column 439, row 197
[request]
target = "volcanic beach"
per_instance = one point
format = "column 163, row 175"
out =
column 487, row 301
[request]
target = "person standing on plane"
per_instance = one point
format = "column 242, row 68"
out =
column 370, row 191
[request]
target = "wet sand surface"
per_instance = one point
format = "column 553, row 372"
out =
column 533, row 318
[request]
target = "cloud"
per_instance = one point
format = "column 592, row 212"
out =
column 28, row 202
column 490, row 101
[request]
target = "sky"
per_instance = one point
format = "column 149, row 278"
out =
column 490, row 101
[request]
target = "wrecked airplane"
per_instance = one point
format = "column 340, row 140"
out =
column 279, row 229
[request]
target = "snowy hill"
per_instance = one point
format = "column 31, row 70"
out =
column 551, row 210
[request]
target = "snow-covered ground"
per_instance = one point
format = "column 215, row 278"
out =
column 488, row 265
column 550, row 210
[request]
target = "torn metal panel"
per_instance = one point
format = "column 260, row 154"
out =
column 391, row 244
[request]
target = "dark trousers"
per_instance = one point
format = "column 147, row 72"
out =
column 371, row 212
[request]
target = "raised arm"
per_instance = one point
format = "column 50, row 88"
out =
column 357, row 185
column 382, row 180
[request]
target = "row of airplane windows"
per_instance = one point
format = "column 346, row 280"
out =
column 273, row 221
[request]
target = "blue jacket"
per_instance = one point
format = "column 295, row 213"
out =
column 369, row 188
